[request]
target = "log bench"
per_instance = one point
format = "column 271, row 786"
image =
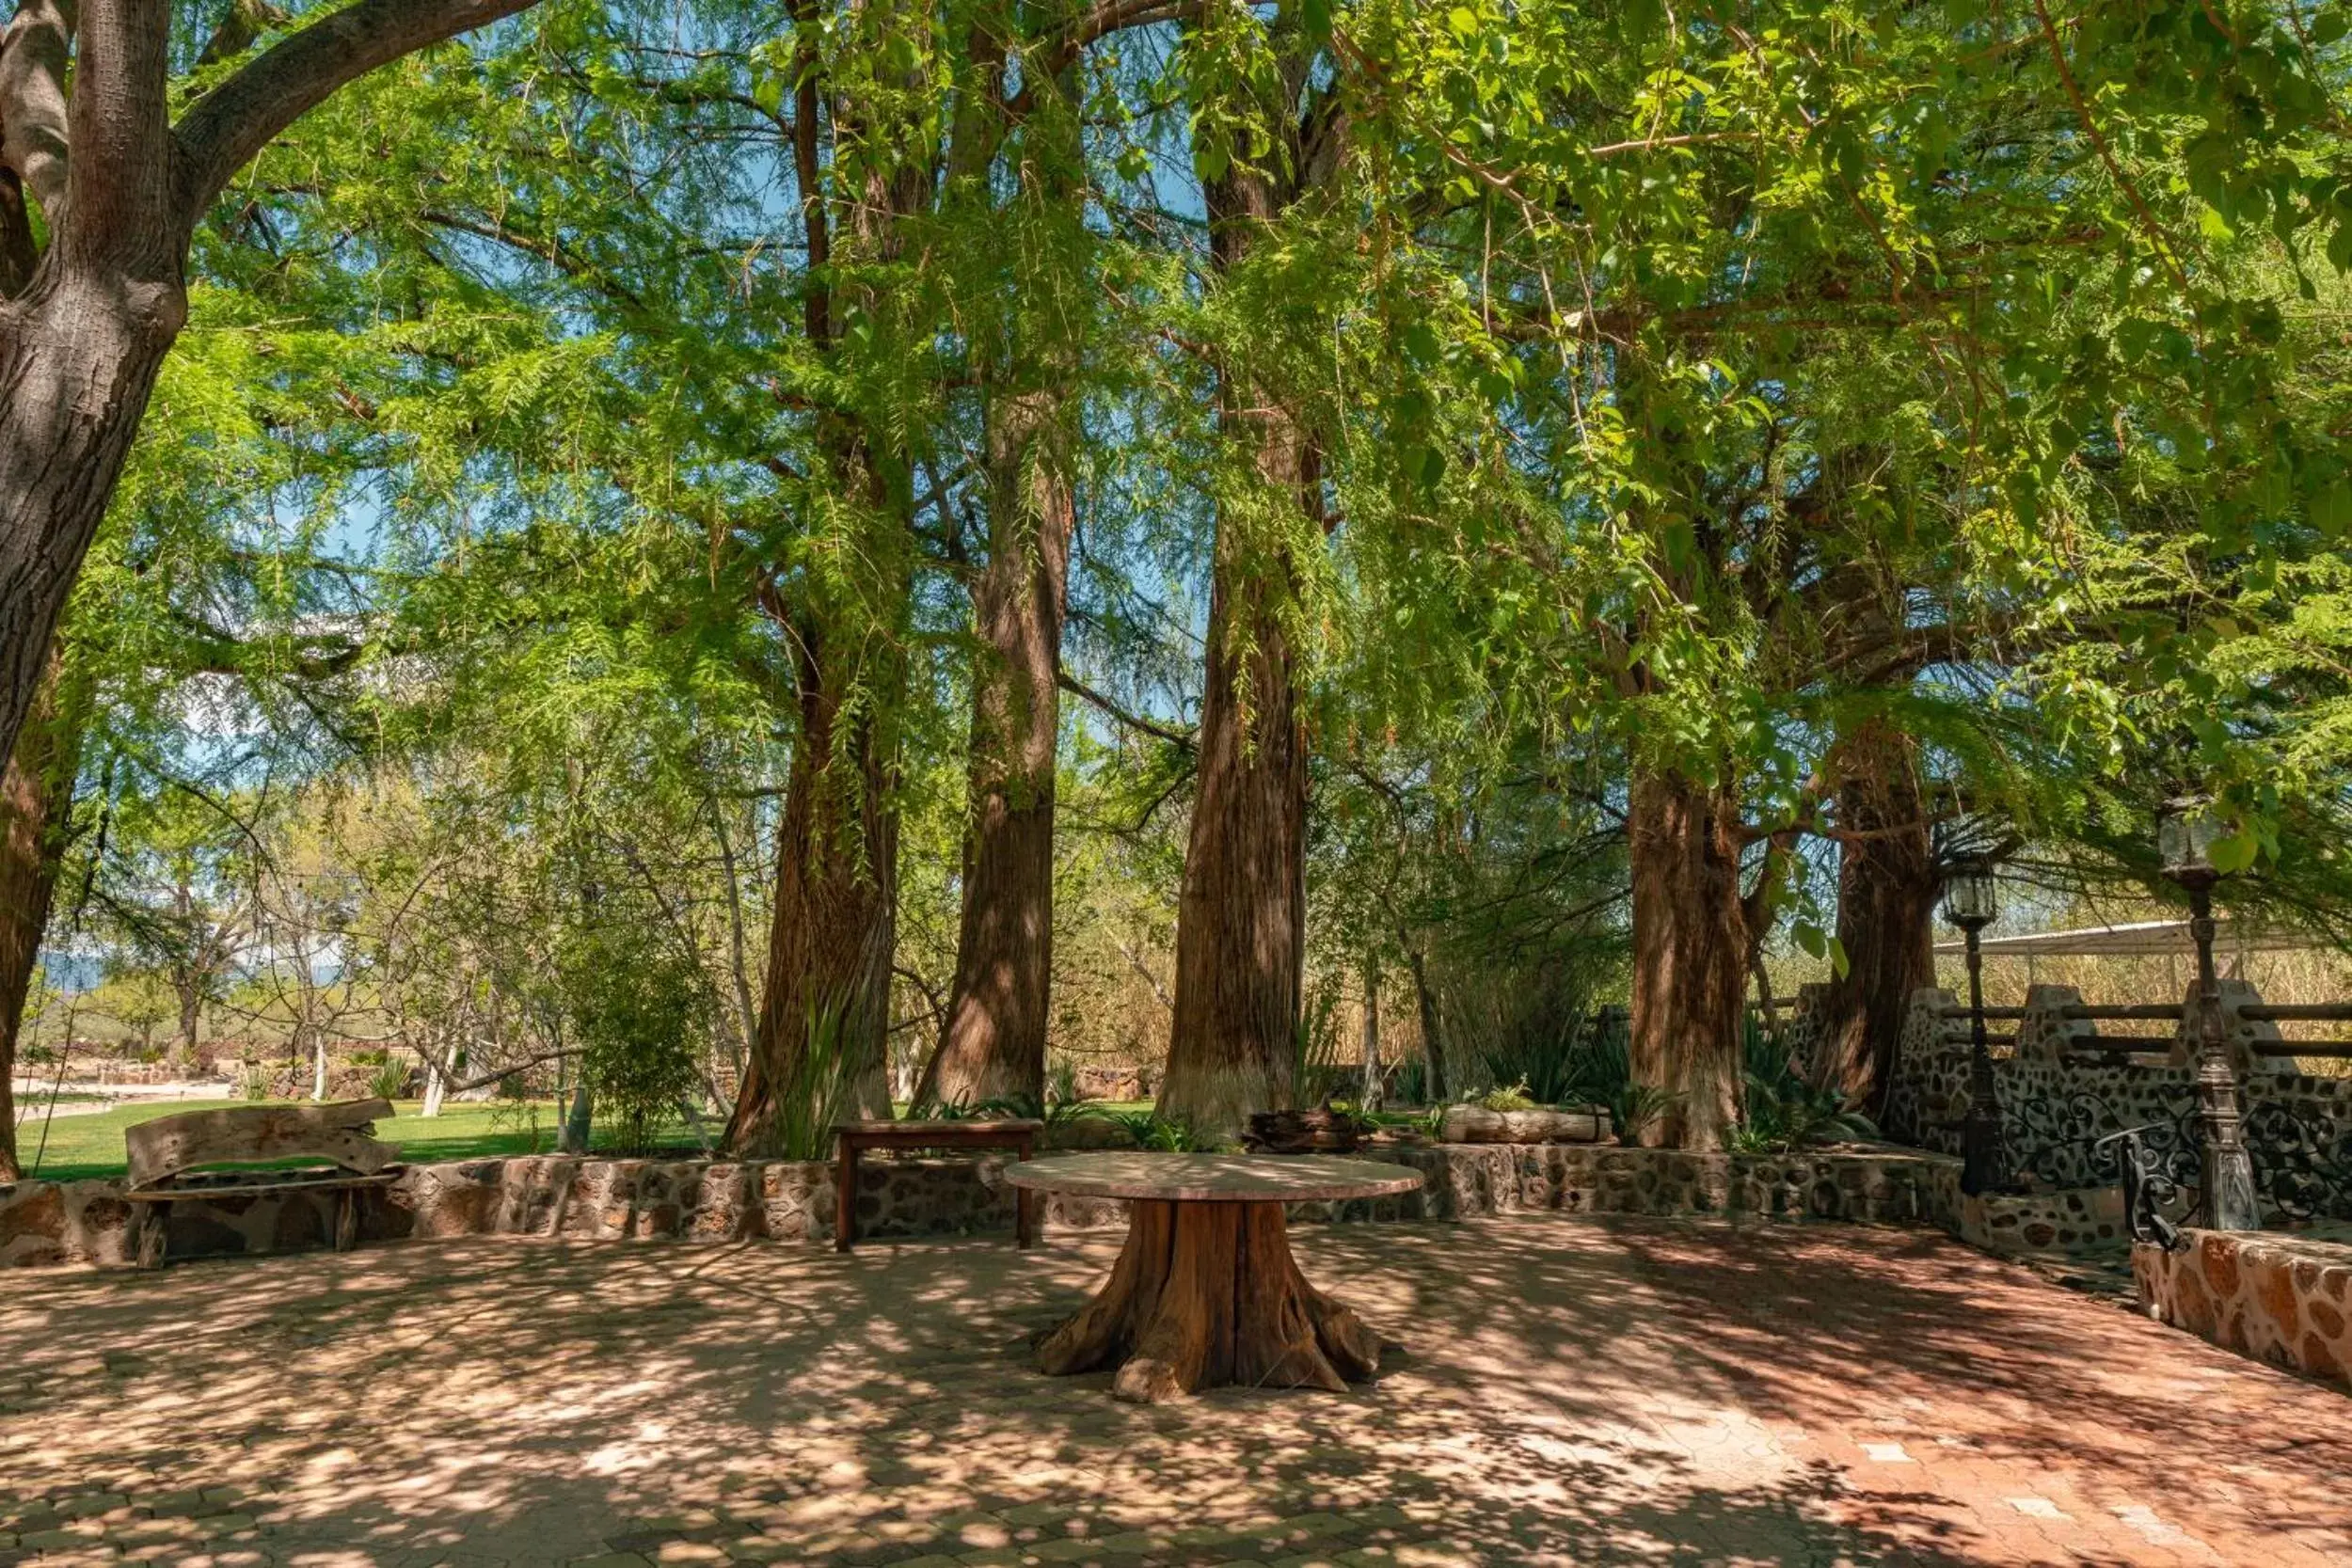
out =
column 1014, row 1133
column 167, row 1157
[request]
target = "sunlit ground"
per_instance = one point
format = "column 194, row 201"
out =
column 1567, row 1391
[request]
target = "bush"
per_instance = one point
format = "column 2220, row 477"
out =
column 1513, row 1099
column 1599, row 1071
column 640, row 1018
column 1780, row 1110
column 388, row 1079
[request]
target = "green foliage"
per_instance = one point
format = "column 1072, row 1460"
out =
column 637, row 1013
column 1516, row 1097
column 1149, row 1129
column 1600, row 1072
column 1686, row 388
column 822, row 1086
column 1780, row 1111
column 390, row 1080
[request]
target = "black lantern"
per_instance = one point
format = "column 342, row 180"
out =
column 1971, row 902
column 2187, row 827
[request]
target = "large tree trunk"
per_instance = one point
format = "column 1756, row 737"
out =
column 78, row 361
column 835, row 926
column 36, row 795
column 1240, row 925
column 992, row 1044
column 1886, row 887
column 1241, row 922
column 1690, row 954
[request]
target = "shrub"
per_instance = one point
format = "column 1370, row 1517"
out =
column 819, row 1088
column 1513, row 1099
column 388, row 1079
column 1780, row 1111
column 640, row 1016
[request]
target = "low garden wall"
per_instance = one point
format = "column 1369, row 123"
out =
column 2283, row 1299
column 47, row 1224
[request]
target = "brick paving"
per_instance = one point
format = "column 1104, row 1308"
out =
column 1572, row 1391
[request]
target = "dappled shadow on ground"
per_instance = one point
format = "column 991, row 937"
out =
column 1568, row 1391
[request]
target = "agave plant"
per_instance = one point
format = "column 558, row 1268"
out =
column 812, row 1099
column 390, row 1080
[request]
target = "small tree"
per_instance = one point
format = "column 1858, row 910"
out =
column 641, row 1019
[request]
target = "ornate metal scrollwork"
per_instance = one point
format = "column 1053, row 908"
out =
column 2059, row 1139
column 2142, row 1167
column 2302, row 1169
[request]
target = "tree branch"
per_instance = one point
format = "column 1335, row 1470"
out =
column 230, row 125
column 33, row 54
column 1079, row 689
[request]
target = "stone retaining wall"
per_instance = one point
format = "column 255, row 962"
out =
column 2076, row 1221
column 2278, row 1298
column 2053, row 1109
column 85, row 1222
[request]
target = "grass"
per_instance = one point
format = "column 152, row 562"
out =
column 83, row 1147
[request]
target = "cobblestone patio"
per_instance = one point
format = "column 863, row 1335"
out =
column 1635, row 1391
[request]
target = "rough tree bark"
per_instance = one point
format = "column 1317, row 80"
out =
column 1240, row 926
column 35, row 797
column 1241, row 921
column 1690, row 948
column 86, row 134
column 835, row 919
column 1886, row 888
column 834, row 922
column 992, row 1044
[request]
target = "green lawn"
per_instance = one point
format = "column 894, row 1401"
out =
column 83, row 1147
column 88, row 1146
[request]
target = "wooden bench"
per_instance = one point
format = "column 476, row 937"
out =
column 1018, row 1136
column 166, row 1154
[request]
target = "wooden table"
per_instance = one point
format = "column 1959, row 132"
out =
column 1205, row 1292
column 1011, row 1133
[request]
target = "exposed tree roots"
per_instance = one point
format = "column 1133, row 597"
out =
column 1205, row 1295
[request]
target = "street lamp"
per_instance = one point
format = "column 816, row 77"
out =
column 2186, row 830
column 1970, row 903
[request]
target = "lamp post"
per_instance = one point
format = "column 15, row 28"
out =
column 2186, row 829
column 1969, row 903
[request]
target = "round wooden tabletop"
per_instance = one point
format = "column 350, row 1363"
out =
column 1213, row 1177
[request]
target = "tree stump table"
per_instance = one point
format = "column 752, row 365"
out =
column 1205, row 1292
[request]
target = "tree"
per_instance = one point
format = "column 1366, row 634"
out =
column 176, row 890
column 93, row 267
column 1754, row 250
column 34, row 828
column 1241, row 926
column 991, row 1041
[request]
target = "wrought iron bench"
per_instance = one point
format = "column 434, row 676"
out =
column 167, row 1154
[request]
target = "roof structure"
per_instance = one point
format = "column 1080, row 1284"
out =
column 2136, row 939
